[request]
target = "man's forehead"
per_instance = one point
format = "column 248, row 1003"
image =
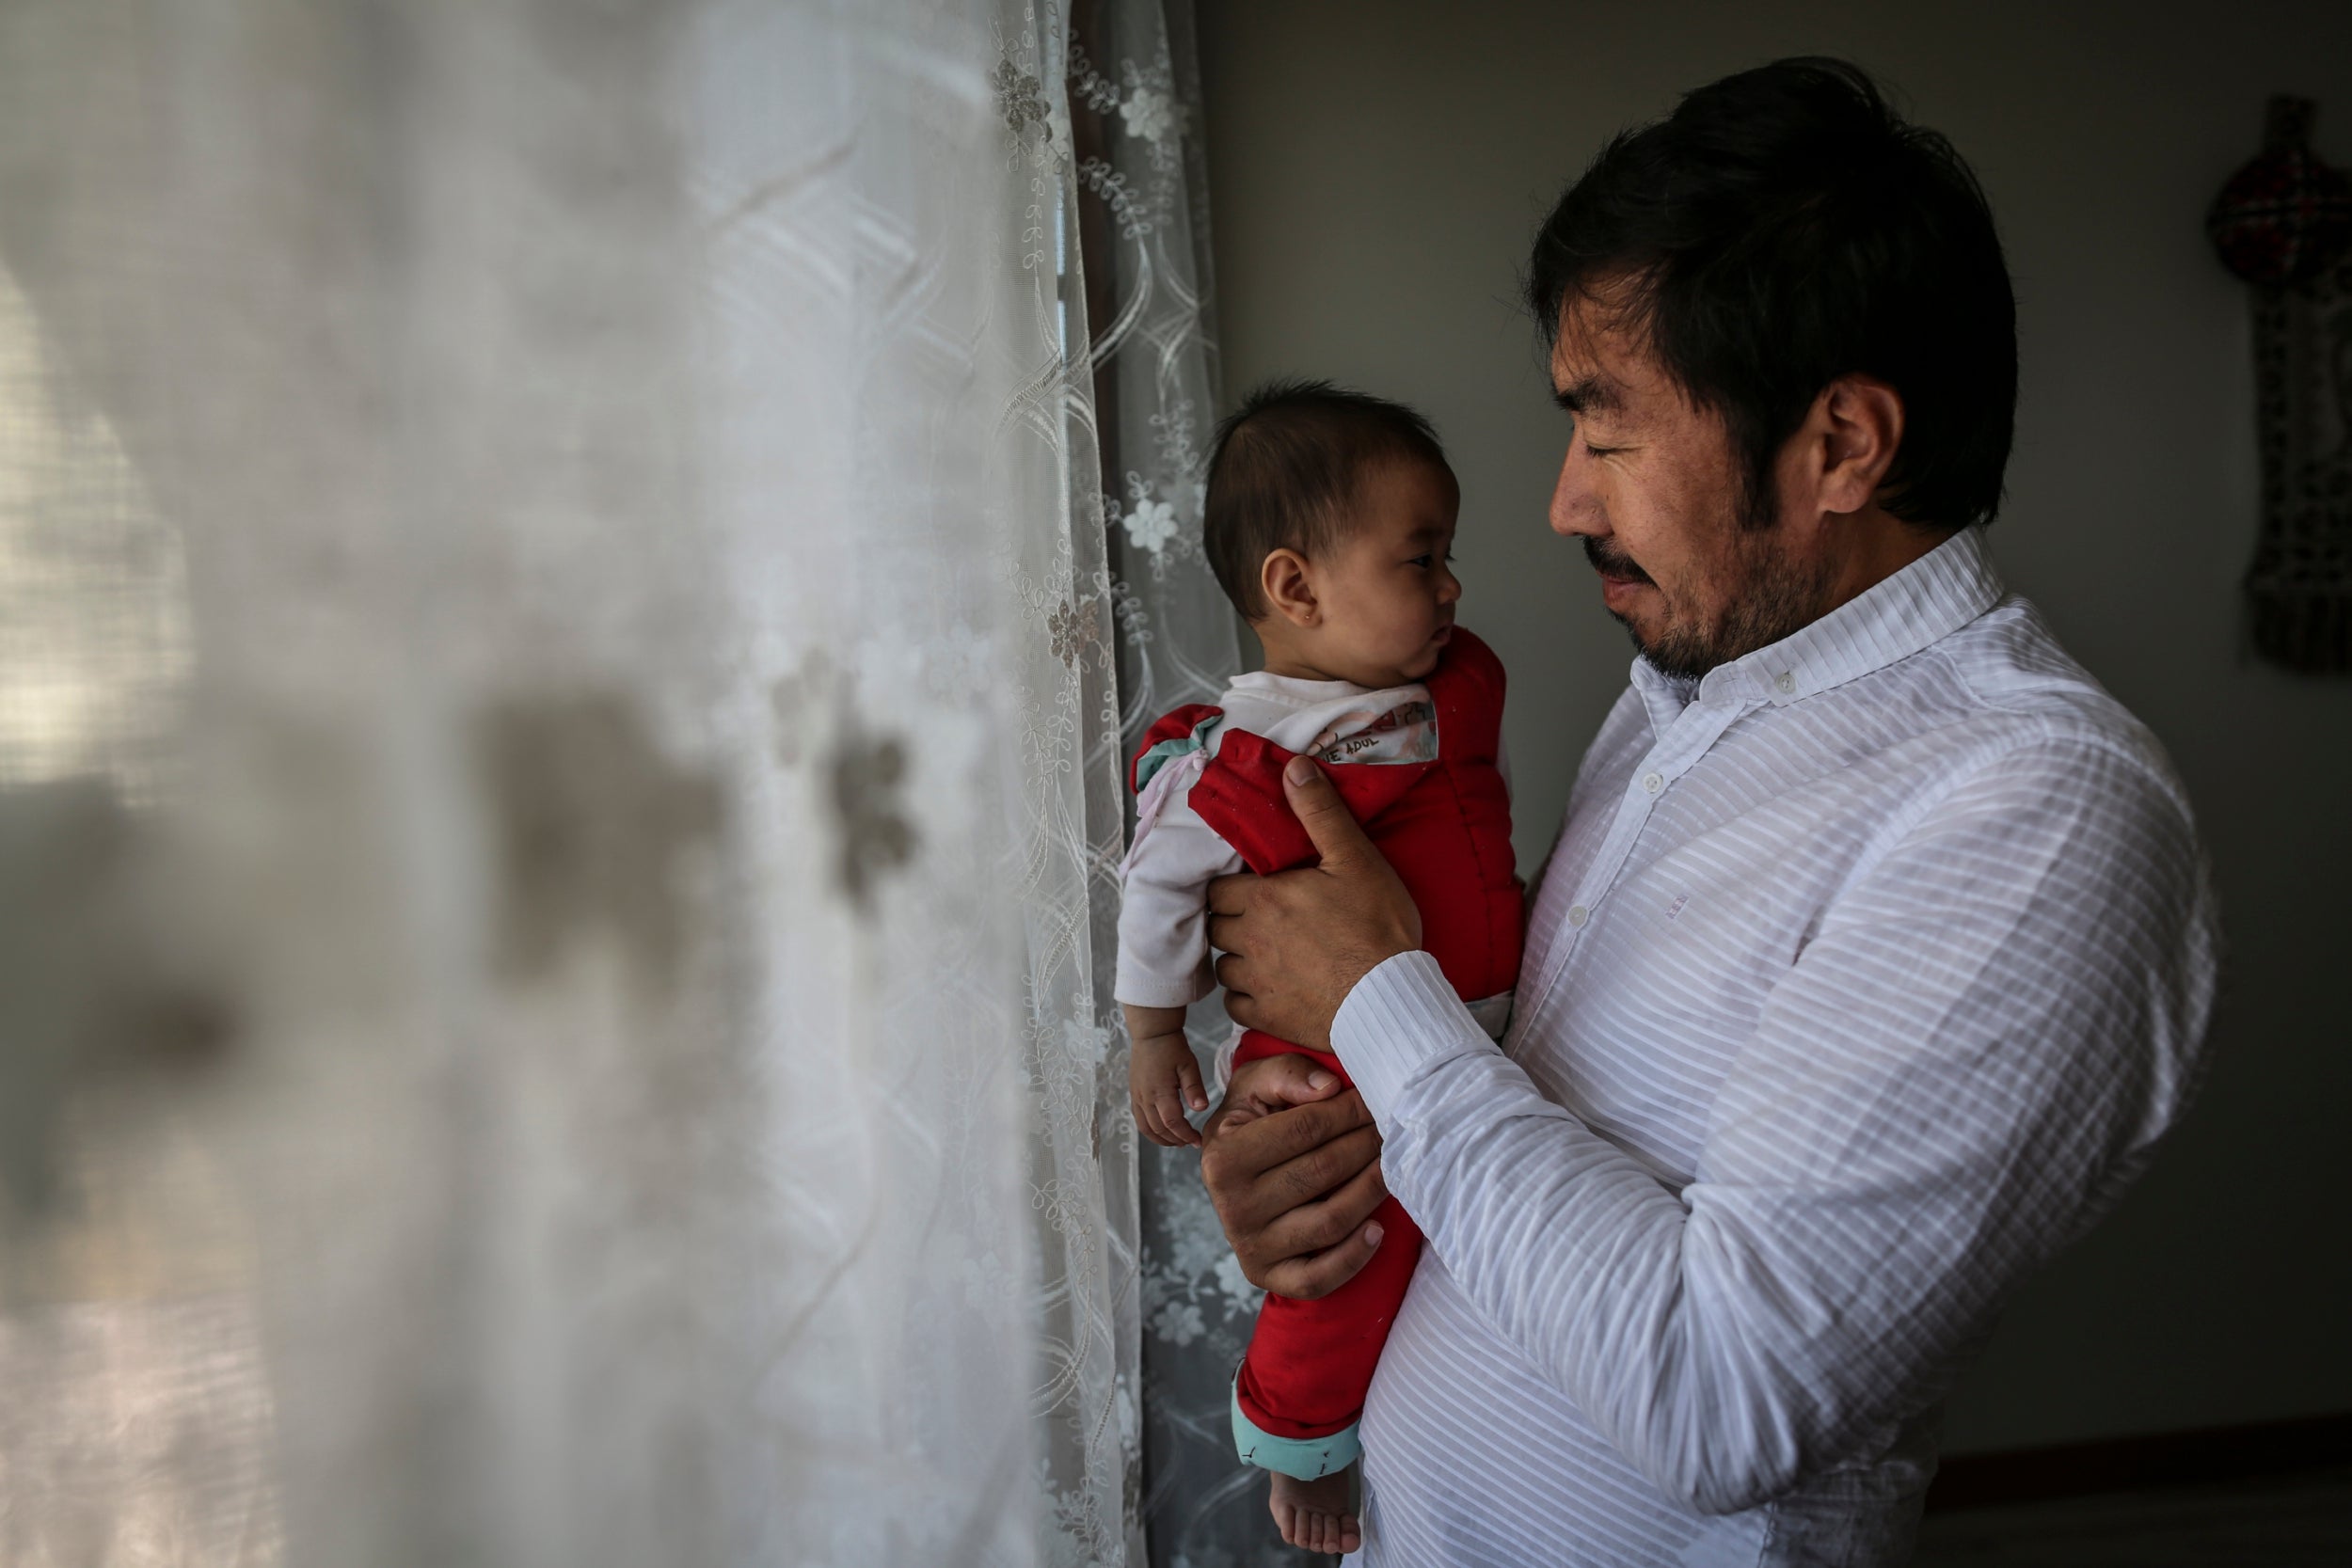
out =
column 1595, row 366
column 1581, row 385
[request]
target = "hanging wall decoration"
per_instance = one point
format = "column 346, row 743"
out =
column 2284, row 224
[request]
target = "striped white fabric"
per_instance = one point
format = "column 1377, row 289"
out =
column 1863, row 976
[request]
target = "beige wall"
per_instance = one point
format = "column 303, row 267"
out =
column 1376, row 169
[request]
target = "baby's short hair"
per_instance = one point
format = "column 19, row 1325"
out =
column 1284, row 468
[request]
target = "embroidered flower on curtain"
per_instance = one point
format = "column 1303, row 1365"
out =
column 1076, row 627
column 1151, row 525
column 1151, row 114
column 1018, row 96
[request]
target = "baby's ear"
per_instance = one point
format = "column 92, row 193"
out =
column 1288, row 587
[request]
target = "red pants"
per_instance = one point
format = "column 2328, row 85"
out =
column 1310, row 1362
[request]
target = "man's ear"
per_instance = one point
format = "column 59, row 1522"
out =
column 1289, row 588
column 1860, row 423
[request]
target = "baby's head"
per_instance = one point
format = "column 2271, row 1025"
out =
column 1329, row 521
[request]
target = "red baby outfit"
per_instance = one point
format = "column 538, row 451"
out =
column 1445, row 826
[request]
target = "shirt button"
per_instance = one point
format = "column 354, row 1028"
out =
column 1785, row 681
column 1579, row 914
column 1653, row 781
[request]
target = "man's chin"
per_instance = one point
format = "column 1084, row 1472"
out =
column 1668, row 652
column 1641, row 628
column 1677, row 657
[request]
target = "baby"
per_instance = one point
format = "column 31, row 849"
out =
column 1328, row 520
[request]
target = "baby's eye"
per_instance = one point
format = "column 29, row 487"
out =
column 1423, row 560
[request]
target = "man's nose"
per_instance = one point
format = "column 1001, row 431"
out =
column 1575, row 507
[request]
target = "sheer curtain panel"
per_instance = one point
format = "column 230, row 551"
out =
column 558, row 754
column 1134, row 92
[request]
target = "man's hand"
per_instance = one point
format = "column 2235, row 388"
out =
column 1296, row 943
column 1291, row 1163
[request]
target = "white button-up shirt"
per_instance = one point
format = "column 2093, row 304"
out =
column 1863, row 976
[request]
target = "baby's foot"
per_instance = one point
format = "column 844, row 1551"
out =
column 1315, row 1514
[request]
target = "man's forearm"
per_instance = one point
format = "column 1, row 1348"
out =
column 1570, row 1246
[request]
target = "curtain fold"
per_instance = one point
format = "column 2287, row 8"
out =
column 1135, row 94
column 559, row 795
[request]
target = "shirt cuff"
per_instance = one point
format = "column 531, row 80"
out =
column 1401, row 1018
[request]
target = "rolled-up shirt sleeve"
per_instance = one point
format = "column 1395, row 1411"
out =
column 1967, row 1062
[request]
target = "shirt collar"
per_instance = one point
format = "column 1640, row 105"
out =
column 1925, row 602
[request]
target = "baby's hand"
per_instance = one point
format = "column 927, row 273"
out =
column 1163, row 1080
column 1163, row 1077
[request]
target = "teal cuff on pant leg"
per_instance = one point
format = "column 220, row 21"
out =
column 1301, row 1458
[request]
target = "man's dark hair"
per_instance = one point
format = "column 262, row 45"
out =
column 1785, row 227
column 1287, row 464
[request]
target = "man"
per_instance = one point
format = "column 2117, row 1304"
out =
column 1876, row 950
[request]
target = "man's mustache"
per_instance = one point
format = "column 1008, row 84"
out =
column 1612, row 562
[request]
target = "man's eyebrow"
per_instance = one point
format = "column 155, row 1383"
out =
column 1594, row 394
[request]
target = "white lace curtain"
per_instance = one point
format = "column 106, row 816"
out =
column 1134, row 96
column 560, row 716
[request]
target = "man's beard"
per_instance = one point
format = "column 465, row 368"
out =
column 1771, row 598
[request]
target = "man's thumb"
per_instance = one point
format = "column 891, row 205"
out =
column 1304, row 1081
column 1323, row 814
